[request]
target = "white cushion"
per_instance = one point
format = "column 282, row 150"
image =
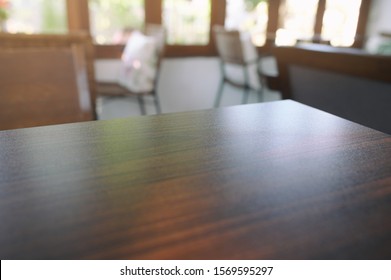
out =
column 139, row 63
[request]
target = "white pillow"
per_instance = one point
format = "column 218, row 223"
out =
column 139, row 63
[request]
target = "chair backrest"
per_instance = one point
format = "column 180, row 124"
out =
column 228, row 45
column 42, row 87
column 81, row 40
column 158, row 32
column 344, row 82
column 141, row 60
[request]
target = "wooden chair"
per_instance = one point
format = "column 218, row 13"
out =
column 81, row 41
column 115, row 89
column 345, row 82
column 232, row 50
column 43, row 87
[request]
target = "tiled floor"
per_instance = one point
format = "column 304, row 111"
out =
column 184, row 85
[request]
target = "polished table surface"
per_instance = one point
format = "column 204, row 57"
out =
column 277, row 180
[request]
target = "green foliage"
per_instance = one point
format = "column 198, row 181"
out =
column 53, row 20
column 3, row 14
column 251, row 4
column 121, row 11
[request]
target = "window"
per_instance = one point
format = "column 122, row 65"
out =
column 297, row 21
column 112, row 21
column 39, row 16
column 250, row 16
column 187, row 21
column 340, row 21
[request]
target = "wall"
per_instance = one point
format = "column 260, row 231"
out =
column 379, row 21
column 189, row 83
column 379, row 17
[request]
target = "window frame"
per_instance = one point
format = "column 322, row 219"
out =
column 78, row 20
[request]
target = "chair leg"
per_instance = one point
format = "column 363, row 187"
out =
column 219, row 94
column 157, row 103
column 261, row 91
column 221, row 86
column 141, row 104
column 245, row 95
column 98, row 107
column 246, row 85
column 260, row 94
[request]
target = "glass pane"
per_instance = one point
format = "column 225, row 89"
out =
column 39, row 16
column 250, row 16
column 297, row 21
column 113, row 20
column 340, row 21
column 187, row 21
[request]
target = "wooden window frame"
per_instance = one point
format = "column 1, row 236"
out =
column 78, row 20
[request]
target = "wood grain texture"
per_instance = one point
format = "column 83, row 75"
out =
column 265, row 181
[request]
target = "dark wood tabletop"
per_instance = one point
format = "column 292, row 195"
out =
column 277, row 180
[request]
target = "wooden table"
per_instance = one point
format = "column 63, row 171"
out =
column 277, row 180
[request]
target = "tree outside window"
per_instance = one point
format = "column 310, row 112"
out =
column 187, row 22
column 249, row 16
column 297, row 21
column 340, row 21
column 39, row 16
column 113, row 20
